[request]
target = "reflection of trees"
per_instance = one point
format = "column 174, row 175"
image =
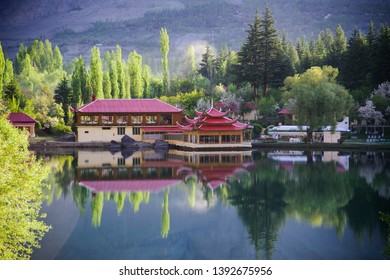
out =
column 386, row 219
column 165, row 217
column 136, row 198
column 258, row 199
column 62, row 173
column 318, row 194
column 97, row 204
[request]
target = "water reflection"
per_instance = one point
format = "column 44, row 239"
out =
column 267, row 190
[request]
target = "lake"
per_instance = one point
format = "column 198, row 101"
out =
column 178, row 205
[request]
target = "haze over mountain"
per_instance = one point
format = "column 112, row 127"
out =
column 77, row 25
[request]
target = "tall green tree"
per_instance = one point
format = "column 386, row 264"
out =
column 319, row 99
column 63, row 96
column 2, row 70
column 57, row 59
column 382, row 56
column 135, row 73
column 114, row 79
column 79, row 83
column 249, row 57
column 21, row 196
column 106, row 85
column 96, row 73
column 337, row 48
column 13, row 96
column 164, row 48
column 146, row 76
column 356, row 66
column 270, row 51
column 208, row 65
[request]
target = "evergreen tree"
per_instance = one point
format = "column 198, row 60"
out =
column 270, row 51
column 96, row 73
column 164, row 48
column 382, row 56
column 249, row 57
column 63, row 96
column 13, row 96
column 135, row 73
column 355, row 69
column 208, row 65
column 19, row 59
column 338, row 48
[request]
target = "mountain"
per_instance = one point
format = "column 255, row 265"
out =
column 77, row 25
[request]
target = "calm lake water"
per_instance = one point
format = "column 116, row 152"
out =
column 244, row 205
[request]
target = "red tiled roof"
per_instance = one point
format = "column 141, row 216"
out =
column 212, row 112
column 285, row 112
column 20, row 118
column 129, row 185
column 128, row 106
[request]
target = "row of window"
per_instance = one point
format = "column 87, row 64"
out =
column 213, row 139
column 124, row 120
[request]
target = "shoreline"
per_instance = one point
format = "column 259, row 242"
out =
column 54, row 145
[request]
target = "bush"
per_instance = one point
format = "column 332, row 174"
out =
column 60, row 129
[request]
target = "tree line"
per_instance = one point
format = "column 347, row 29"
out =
column 37, row 82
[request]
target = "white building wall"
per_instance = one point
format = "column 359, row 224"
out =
column 330, row 137
column 98, row 134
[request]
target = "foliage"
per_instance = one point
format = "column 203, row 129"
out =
column 187, row 101
column 369, row 114
column 21, row 227
column 320, row 100
column 64, row 97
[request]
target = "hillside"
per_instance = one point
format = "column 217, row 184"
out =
column 77, row 25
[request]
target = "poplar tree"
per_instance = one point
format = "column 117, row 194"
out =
column 96, row 73
column 164, row 48
column 114, row 79
column 146, row 74
column 2, row 69
column 124, row 90
column 79, row 83
column 57, row 59
column 106, row 85
column 135, row 74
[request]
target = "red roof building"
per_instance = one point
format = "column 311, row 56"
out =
column 214, row 129
column 147, row 120
column 23, row 121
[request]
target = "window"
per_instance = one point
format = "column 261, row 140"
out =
column 136, row 161
column 121, row 161
column 136, row 130
column 89, row 120
column 165, row 119
column 136, row 119
column 151, row 119
column 122, row 120
column 86, row 131
column 121, row 130
column 107, row 119
column 106, row 128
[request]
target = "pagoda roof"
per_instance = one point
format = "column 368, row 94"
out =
column 128, row 106
column 212, row 112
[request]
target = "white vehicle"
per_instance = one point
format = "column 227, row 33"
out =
column 295, row 131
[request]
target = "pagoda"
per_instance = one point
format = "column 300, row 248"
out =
column 213, row 128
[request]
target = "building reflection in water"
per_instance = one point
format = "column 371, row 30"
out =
column 113, row 176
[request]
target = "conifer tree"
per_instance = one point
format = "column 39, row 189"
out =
column 249, row 57
column 337, row 48
column 63, row 96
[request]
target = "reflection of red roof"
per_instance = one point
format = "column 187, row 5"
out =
column 128, row 106
column 19, row 118
column 128, row 185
